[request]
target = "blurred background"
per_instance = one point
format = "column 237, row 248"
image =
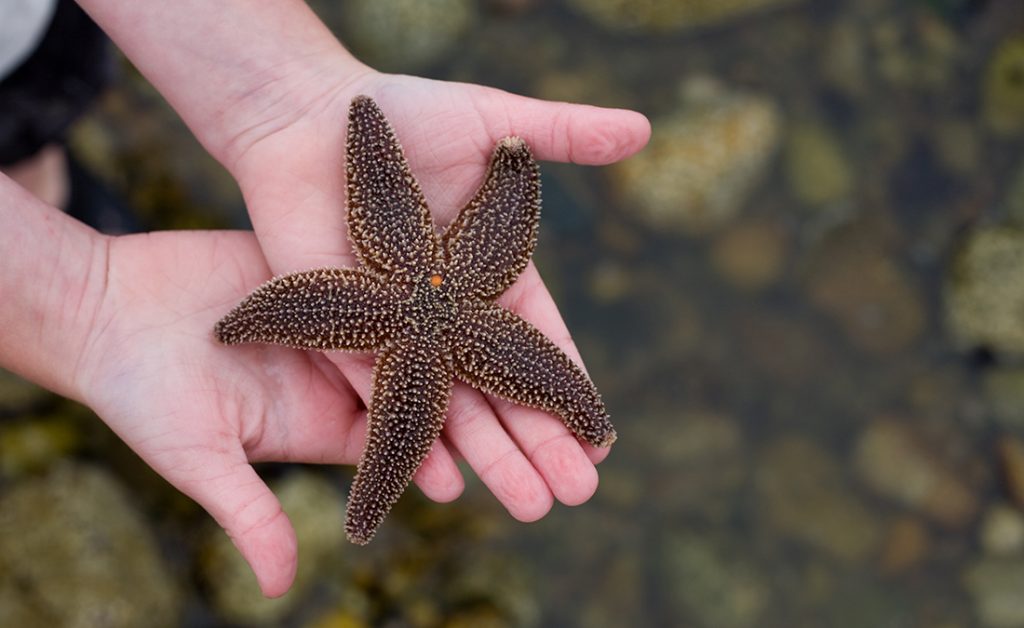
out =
column 803, row 304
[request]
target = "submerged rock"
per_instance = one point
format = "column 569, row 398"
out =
column 316, row 511
column 802, row 493
column 658, row 16
column 683, row 452
column 31, row 445
column 73, row 548
column 906, row 544
column 896, row 464
column 817, row 169
column 714, row 587
column 1003, row 89
column 996, row 585
column 405, row 35
column 703, row 161
column 1014, row 199
column 985, row 291
column 1004, row 395
column 751, row 255
column 1002, row 531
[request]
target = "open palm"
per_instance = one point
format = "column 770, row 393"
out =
column 200, row 413
column 292, row 174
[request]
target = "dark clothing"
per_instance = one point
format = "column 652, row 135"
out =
column 54, row 85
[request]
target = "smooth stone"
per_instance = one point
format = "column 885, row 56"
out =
column 802, row 493
column 1004, row 395
column 985, row 291
column 895, row 463
column 750, row 255
column 1002, row 531
column 996, row 586
column 1003, row 89
column 316, row 510
column 73, row 546
column 703, row 162
column 816, row 166
column 1011, row 455
column 906, row 544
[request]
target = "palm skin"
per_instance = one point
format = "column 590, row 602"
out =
column 199, row 413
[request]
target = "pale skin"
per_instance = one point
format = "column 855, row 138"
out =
column 124, row 324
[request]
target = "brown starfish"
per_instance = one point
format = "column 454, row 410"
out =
column 426, row 302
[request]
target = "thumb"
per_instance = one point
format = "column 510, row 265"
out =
column 245, row 507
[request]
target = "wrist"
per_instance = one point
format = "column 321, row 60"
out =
column 52, row 281
column 234, row 70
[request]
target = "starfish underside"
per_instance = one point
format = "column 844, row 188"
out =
column 425, row 303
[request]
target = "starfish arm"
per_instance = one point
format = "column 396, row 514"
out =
column 388, row 218
column 501, row 354
column 327, row 309
column 493, row 237
column 412, row 382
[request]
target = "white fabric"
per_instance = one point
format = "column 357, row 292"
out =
column 22, row 24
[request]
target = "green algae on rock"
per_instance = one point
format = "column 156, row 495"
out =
column 406, row 35
column 985, row 291
column 32, row 445
column 816, row 167
column 73, row 545
column 1003, row 88
column 704, row 159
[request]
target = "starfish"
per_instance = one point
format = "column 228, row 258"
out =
column 424, row 301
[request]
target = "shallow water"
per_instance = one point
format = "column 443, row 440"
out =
column 808, row 433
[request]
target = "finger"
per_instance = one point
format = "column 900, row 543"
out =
column 552, row 450
column 474, row 429
column 559, row 131
column 231, row 491
column 319, row 420
column 529, row 298
column 439, row 477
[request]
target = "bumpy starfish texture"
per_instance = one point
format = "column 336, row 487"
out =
column 425, row 303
